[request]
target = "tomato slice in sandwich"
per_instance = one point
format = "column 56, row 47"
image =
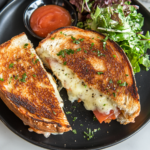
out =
column 103, row 117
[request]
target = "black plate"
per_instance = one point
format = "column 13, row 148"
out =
column 11, row 22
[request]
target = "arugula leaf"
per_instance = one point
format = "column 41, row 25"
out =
column 120, row 22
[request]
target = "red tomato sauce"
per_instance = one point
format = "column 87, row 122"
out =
column 48, row 18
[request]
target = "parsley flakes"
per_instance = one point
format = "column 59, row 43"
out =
column 79, row 49
column 11, row 65
column 1, row 79
column 123, row 84
column 25, row 45
column 104, row 42
column 68, row 112
column 35, row 62
column 110, row 81
column 23, row 79
column 92, row 45
column 65, row 63
column 114, row 94
column 75, row 118
column 74, row 131
column 16, row 77
column 65, row 51
column 99, row 73
column 119, row 81
column 54, row 112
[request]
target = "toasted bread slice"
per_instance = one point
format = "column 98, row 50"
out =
column 102, row 78
column 28, row 90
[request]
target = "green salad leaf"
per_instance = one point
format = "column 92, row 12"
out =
column 122, row 24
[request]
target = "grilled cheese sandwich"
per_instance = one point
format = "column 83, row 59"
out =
column 93, row 71
column 28, row 90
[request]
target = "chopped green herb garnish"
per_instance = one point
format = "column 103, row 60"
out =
column 75, row 118
column 127, row 75
column 92, row 45
column 68, row 112
column 24, row 76
column 52, row 38
column 54, row 112
column 85, row 86
column 35, row 61
column 16, row 77
column 73, row 38
column 90, row 134
column 34, row 75
column 65, row 51
column 81, row 40
column 66, row 74
column 61, row 53
column 95, row 130
column 74, row 131
column 114, row 94
column 69, row 51
column 1, row 79
column 114, row 56
column 74, row 107
column 79, row 49
column 98, row 129
column 10, row 79
column 25, row 45
column 99, row 73
column 92, row 38
column 110, row 81
column 104, row 42
column 99, row 53
column 123, row 84
column 119, row 81
column 94, row 118
column 32, row 54
column 94, row 51
column 65, row 63
column 76, row 41
column 11, row 65
column 85, row 51
column 81, row 125
column 61, row 32
column 104, row 104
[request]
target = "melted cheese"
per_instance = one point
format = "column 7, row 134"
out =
column 76, row 88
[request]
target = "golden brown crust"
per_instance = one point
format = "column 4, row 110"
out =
column 27, row 90
column 92, row 59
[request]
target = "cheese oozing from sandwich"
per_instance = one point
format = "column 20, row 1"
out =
column 77, row 89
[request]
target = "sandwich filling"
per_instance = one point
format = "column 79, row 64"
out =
column 101, row 105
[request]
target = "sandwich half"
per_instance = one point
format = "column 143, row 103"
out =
column 28, row 90
column 93, row 70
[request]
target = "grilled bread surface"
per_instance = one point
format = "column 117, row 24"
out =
column 27, row 89
column 104, row 69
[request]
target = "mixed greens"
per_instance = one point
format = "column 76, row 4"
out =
column 120, row 21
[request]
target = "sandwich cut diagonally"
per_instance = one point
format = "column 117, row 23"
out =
column 93, row 69
column 28, row 90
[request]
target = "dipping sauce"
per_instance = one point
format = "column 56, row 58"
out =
column 48, row 18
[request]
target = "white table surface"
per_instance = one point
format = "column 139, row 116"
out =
column 140, row 141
